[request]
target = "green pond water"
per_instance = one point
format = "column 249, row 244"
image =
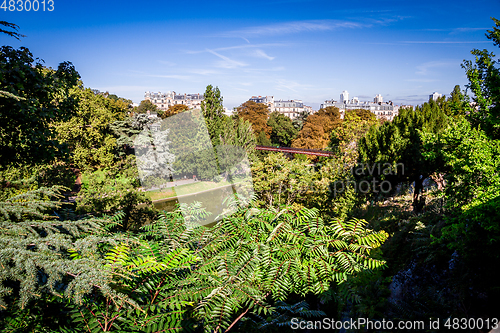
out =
column 212, row 200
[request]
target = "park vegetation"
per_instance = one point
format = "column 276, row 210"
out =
column 402, row 223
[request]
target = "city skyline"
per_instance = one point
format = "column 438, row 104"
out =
column 303, row 50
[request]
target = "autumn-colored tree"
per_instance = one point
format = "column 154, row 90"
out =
column 256, row 114
column 316, row 131
column 174, row 109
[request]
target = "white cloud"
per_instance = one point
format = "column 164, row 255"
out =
column 289, row 85
column 227, row 62
column 236, row 47
column 295, row 27
column 168, row 63
column 203, row 71
column 432, row 66
column 178, row 77
column 442, row 42
column 261, row 54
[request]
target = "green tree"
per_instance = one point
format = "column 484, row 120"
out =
column 344, row 138
column 213, row 111
column 34, row 98
column 238, row 132
column 399, row 142
column 88, row 133
column 484, row 81
column 456, row 104
column 13, row 32
column 283, row 132
column 146, row 106
column 298, row 122
column 280, row 181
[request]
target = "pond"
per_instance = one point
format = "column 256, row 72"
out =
column 212, row 200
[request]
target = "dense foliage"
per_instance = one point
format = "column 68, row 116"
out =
column 95, row 255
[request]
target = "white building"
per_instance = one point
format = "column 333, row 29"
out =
column 291, row 108
column 434, row 96
column 344, row 97
column 164, row 100
column 381, row 109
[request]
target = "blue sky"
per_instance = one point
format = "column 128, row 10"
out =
column 309, row 50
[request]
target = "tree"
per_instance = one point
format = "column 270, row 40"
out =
column 256, row 114
column 88, row 133
column 280, row 181
column 146, row 106
column 13, row 32
column 283, row 132
column 456, row 104
column 174, row 109
column 213, row 111
column 484, row 81
column 34, row 98
column 399, row 142
column 316, row 131
column 239, row 133
column 298, row 122
column 344, row 138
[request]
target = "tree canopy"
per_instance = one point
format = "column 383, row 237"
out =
column 256, row 114
column 33, row 99
column 282, row 130
column 315, row 134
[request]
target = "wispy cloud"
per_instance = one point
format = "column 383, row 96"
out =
column 468, row 29
column 289, row 85
column 258, row 70
column 203, row 71
column 168, row 63
column 178, row 77
column 294, row 27
column 420, row 80
column 237, row 47
column 443, row 42
column 227, row 62
column 431, row 66
column 261, row 54
column 125, row 89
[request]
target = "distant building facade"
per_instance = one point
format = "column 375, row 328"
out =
column 435, row 95
column 291, row 108
column 164, row 100
column 378, row 107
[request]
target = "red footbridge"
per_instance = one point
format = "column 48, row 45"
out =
column 296, row 150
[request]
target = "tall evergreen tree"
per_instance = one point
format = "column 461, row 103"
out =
column 213, row 111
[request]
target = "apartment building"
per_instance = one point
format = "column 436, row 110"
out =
column 164, row 100
column 291, row 108
column 380, row 108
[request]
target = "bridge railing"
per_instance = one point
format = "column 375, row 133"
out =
column 296, row 150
